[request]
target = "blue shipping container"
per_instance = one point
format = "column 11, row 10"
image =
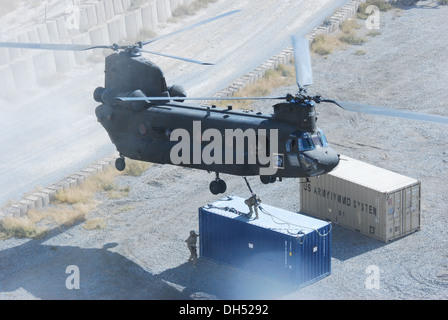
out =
column 280, row 244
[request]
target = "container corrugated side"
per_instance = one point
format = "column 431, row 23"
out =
column 359, row 196
column 280, row 244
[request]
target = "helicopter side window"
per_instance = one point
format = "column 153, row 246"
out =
column 300, row 143
column 323, row 138
column 291, row 145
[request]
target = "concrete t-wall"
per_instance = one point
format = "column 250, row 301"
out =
column 98, row 23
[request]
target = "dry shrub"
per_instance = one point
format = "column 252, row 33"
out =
column 382, row 5
column 136, row 168
column 283, row 75
column 324, row 45
column 117, row 192
column 11, row 227
column 84, row 193
column 349, row 36
column 94, row 224
column 350, row 25
column 72, row 205
column 69, row 215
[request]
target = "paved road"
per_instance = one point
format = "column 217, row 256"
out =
column 50, row 133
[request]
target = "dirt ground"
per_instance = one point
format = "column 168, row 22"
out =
column 141, row 253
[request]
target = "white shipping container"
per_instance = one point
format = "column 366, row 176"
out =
column 374, row 201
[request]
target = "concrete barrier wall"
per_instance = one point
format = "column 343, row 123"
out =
column 102, row 23
column 44, row 197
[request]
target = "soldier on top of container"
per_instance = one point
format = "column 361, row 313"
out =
column 191, row 245
column 253, row 201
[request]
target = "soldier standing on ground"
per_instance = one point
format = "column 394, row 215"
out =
column 191, row 245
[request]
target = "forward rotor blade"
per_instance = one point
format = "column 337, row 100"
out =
column 302, row 61
column 134, row 99
column 178, row 58
column 50, row 46
column 191, row 27
column 357, row 107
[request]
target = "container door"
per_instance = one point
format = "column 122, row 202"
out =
column 411, row 210
column 415, row 206
column 394, row 215
column 407, row 216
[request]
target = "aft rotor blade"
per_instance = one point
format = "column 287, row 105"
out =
column 357, row 107
column 51, row 46
column 192, row 26
column 148, row 99
column 178, row 58
column 302, row 61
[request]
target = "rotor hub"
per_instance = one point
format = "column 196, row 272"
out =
column 134, row 50
column 303, row 99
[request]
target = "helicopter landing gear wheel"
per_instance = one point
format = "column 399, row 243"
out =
column 222, row 185
column 120, row 164
column 267, row 179
column 218, row 186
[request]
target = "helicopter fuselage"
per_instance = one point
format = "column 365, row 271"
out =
column 282, row 144
column 238, row 142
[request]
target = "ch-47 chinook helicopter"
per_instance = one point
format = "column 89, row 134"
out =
column 301, row 149
column 148, row 121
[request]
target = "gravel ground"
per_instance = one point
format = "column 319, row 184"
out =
column 141, row 253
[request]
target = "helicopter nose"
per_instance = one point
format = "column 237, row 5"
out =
column 325, row 159
column 329, row 159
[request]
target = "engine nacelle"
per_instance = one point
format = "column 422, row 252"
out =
column 108, row 96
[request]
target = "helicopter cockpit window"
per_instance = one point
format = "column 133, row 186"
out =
column 316, row 140
column 307, row 141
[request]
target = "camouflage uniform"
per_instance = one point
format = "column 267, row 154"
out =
column 191, row 245
column 253, row 201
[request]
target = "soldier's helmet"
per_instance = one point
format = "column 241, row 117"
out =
column 192, row 233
